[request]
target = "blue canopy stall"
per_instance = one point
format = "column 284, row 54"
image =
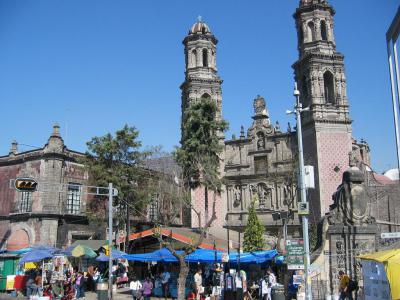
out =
column 35, row 256
column 204, row 256
column 162, row 255
column 257, row 257
column 116, row 254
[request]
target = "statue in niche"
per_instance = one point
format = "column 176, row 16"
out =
column 237, row 197
column 260, row 141
column 264, row 195
column 288, row 195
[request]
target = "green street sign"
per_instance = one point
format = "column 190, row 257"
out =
column 295, row 254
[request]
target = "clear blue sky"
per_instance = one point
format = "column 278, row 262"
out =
column 95, row 65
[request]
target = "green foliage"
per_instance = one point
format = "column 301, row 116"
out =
column 201, row 144
column 116, row 159
column 253, row 234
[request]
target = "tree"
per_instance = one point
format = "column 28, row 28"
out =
column 199, row 160
column 117, row 159
column 254, row 232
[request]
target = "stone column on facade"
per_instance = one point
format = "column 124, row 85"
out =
column 328, row 30
column 317, row 25
column 189, row 59
column 199, row 58
column 209, row 57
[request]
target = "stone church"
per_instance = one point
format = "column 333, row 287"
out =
column 261, row 163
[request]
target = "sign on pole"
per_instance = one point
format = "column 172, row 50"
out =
column 390, row 235
column 295, row 254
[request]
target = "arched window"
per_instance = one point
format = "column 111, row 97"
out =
column 324, row 35
column 304, row 89
column 194, row 58
column 205, row 58
column 310, row 32
column 329, row 88
column 206, row 96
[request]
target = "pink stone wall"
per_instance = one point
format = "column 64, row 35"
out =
column 7, row 194
column 198, row 202
column 333, row 150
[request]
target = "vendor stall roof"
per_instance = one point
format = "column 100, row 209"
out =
column 186, row 236
column 93, row 244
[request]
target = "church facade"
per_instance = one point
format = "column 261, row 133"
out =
column 261, row 164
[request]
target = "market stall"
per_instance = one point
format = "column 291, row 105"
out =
column 211, row 264
column 381, row 273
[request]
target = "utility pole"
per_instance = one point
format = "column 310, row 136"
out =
column 110, row 232
column 298, row 109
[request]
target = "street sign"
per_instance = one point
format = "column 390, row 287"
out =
column 25, row 184
column 303, row 209
column 390, row 235
column 295, row 254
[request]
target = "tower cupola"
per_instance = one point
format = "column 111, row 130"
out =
column 200, row 49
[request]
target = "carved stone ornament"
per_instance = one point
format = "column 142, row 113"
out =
column 259, row 106
column 350, row 205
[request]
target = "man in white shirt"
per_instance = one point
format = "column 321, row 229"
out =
column 136, row 287
column 165, row 276
column 198, row 281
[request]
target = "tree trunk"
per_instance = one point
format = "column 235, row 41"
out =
column 183, row 273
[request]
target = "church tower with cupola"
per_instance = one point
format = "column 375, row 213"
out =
column 202, row 82
column 320, row 75
column 201, row 77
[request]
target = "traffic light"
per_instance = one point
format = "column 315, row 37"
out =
column 25, row 184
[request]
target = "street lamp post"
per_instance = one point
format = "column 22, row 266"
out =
column 298, row 109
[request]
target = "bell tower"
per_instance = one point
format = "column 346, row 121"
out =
column 202, row 82
column 320, row 75
column 201, row 77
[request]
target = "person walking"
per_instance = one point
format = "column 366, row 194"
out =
column 165, row 277
column 136, row 288
column 147, row 288
column 80, row 285
column 344, row 286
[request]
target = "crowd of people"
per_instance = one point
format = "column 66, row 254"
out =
column 65, row 284
column 213, row 284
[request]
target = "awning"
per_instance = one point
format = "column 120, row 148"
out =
column 204, row 256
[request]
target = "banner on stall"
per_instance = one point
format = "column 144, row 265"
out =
column 376, row 283
column 10, row 282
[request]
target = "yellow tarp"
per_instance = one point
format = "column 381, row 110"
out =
column 391, row 260
column 31, row 265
